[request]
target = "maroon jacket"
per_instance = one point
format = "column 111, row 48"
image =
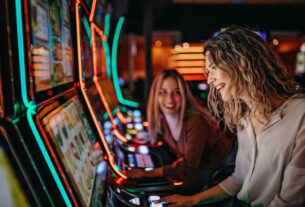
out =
column 199, row 146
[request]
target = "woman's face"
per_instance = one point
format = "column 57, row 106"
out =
column 217, row 78
column 169, row 97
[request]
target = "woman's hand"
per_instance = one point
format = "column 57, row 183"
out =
column 178, row 201
column 136, row 173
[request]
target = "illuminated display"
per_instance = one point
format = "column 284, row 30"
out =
column 69, row 132
column 52, row 59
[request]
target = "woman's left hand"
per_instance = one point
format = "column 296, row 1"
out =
column 136, row 173
column 177, row 201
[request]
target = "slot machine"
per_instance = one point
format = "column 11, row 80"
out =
column 59, row 131
column 122, row 191
column 22, row 180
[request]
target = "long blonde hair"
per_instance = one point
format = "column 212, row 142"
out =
column 189, row 105
column 253, row 68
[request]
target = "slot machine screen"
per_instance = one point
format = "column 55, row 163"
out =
column 12, row 193
column 109, row 92
column 100, row 57
column 52, row 58
column 73, row 140
column 86, row 47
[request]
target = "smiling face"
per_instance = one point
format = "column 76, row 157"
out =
column 169, row 97
column 217, row 77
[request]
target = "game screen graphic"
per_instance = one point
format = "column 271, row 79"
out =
column 51, row 44
column 73, row 141
column 11, row 192
column 86, row 48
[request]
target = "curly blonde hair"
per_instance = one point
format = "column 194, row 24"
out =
column 189, row 105
column 254, row 69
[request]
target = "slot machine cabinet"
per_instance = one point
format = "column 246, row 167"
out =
column 54, row 120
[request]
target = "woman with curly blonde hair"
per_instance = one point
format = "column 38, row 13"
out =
column 189, row 130
column 250, row 89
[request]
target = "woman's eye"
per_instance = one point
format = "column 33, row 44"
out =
column 162, row 92
column 177, row 92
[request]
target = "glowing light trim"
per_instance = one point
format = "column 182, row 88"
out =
column 188, row 70
column 30, row 106
column 21, row 53
column 97, row 85
column 82, row 86
column 114, row 66
column 107, row 25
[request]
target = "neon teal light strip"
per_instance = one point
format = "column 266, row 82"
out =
column 88, row 30
column 31, row 111
column 107, row 25
column 114, row 111
column 30, row 106
column 21, row 53
column 108, row 58
column 105, row 116
column 114, row 66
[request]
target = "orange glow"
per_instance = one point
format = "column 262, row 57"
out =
column 178, row 183
column 186, row 70
column 97, row 146
column 92, row 11
column 121, row 117
column 119, row 181
column 198, row 49
column 82, row 87
column 145, row 123
column 193, row 77
column 187, row 63
column 159, row 143
column 119, row 135
column 187, row 57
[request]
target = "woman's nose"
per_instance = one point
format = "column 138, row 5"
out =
column 211, row 79
column 170, row 97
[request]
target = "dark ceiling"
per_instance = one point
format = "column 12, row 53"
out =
column 198, row 21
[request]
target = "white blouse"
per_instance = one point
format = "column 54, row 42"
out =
column 270, row 168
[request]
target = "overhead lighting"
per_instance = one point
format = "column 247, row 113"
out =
column 158, row 43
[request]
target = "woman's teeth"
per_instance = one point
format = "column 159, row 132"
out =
column 220, row 87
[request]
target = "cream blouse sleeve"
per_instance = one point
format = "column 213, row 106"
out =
column 230, row 185
column 293, row 184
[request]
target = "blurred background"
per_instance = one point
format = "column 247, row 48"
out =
column 161, row 34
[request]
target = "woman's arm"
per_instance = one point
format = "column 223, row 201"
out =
column 213, row 194
column 139, row 173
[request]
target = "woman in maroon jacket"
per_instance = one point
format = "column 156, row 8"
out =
column 186, row 127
